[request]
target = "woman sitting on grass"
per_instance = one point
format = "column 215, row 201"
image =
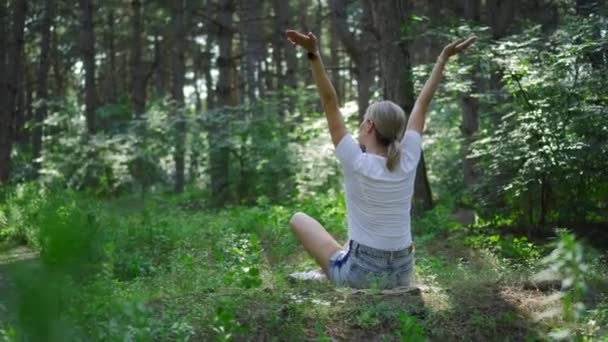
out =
column 379, row 171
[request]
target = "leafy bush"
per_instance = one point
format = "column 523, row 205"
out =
column 545, row 159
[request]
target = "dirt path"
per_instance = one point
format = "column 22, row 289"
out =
column 10, row 261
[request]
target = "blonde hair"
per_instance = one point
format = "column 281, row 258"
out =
column 389, row 122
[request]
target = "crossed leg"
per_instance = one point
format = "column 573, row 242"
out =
column 315, row 239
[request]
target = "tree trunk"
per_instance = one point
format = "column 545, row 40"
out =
column 469, row 127
column 500, row 15
column 219, row 154
column 42, row 84
column 334, row 63
column 360, row 50
column 159, row 66
column 87, row 49
column 470, row 104
column 206, row 69
column 5, row 141
column 177, row 92
column 58, row 86
column 397, row 77
column 251, row 17
column 111, row 87
column 9, row 74
column 19, row 113
column 138, row 83
column 284, row 52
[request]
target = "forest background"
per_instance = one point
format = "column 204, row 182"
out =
column 151, row 153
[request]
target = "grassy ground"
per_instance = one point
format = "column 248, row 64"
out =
column 164, row 269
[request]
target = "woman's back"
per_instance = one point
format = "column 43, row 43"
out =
column 378, row 200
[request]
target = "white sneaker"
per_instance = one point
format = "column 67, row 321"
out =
column 313, row 275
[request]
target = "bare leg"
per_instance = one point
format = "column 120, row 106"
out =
column 315, row 239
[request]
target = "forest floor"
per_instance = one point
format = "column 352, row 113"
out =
column 217, row 283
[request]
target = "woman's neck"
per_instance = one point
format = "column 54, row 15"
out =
column 376, row 149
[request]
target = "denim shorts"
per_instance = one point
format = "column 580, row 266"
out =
column 365, row 267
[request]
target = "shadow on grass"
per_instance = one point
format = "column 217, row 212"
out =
column 478, row 297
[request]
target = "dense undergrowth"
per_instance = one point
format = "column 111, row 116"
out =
column 163, row 268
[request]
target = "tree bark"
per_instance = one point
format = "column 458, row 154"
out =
column 42, row 84
column 9, row 74
column 251, row 17
column 5, row 141
column 138, row 69
column 177, row 93
column 334, row 63
column 470, row 104
column 284, row 52
column 359, row 49
column 219, row 154
column 160, row 76
column 110, row 85
column 87, row 50
column 397, row 77
column 500, row 15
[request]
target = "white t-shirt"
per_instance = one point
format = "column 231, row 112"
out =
column 378, row 202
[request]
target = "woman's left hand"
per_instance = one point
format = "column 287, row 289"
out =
column 309, row 41
column 456, row 48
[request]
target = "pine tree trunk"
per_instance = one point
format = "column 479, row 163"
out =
column 5, row 141
column 177, row 92
column 500, row 16
column 87, row 49
column 287, row 78
column 397, row 77
column 9, row 74
column 251, row 17
column 42, row 84
column 219, row 154
column 138, row 91
column 360, row 50
column 470, row 104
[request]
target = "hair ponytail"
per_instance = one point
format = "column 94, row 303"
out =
column 389, row 124
column 393, row 155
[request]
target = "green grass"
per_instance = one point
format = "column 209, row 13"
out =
column 163, row 269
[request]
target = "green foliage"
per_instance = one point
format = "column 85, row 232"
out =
column 508, row 246
column 545, row 158
column 410, row 329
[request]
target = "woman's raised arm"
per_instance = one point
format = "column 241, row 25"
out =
column 418, row 115
column 327, row 92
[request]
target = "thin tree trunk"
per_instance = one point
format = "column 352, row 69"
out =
column 5, row 141
column 500, row 16
column 469, row 127
column 9, row 73
column 360, row 50
column 251, row 16
column 58, row 86
column 470, row 104
column 397, row 77
column 334, row 62
column 87, row 48
column 19, row 114
column 282, row 22
column 111, row 84
column 42, row 84
column 179, row 69
column 160, row 77
column 219, row 154
column 138, row 91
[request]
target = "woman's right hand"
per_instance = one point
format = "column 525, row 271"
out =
column 309, row 41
